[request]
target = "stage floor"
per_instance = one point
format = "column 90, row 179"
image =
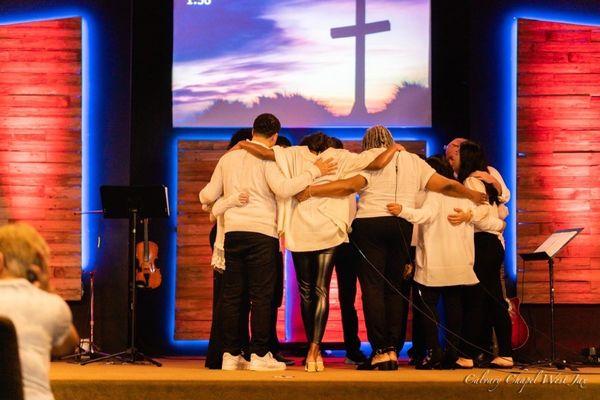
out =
column 187, row 379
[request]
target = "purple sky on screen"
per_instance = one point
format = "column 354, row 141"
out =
column 241, row 53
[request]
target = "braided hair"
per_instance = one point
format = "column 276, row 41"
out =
column 377, row 136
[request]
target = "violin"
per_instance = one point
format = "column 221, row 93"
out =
column 147, row 273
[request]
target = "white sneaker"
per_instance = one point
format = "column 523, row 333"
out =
column 234, row 363
column 265, row 363
column 502, row 362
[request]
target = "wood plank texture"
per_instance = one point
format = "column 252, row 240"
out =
column 40, row 139
column 558, row 135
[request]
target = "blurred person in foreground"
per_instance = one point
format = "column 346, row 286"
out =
column 42, row 319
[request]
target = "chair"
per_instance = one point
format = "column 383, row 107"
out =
column 11, row 383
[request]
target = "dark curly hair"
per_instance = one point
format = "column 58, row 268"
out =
column 317, row 142
column 441, row 166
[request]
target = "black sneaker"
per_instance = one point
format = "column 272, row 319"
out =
column 433, row 360
column 355, row 358
column 483, row 360
column 279, row 357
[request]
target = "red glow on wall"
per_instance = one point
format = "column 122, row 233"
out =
column 40, row 138
column 558, row 123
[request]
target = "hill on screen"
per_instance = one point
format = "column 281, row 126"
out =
column 410, row 106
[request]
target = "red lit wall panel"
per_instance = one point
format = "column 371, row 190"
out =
column 558, row 138
column 40, row 138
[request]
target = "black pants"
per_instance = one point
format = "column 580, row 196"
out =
column 313, row 272
column 484, row 304
column 427, row 299
column 385, row 242
column 345, row 260
column 417, row 351
column 250, row 267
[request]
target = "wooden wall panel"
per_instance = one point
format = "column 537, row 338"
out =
column 196, row 161
column 40, row 138
column 558, row 140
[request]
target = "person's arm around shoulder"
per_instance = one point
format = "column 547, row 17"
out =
column 493, row 177
column 284, row 187
column 256, row 150
column 452, row 188
column 384, row 158
column 339, row 188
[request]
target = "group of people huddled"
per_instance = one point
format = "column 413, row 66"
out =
column 359, row 213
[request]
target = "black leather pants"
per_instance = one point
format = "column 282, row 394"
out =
column 313, row 272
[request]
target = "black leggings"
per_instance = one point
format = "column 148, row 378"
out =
column 484, row 303
column 313, row 272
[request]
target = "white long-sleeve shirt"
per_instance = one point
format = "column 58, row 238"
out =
column 217, row 210
column 240, row 171
column 494, row 210
column 398, row 182
column 319, row 222
column 505, row 196
column 446, row 252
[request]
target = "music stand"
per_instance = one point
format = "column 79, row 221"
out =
column 133, row 203
column 546, row 251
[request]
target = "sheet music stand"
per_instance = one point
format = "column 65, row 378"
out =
column 546, row 251
column 133, row 203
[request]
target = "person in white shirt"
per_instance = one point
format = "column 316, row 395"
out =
column 490, row 175
column 218, row 208
column 485, row 304
column 214, row 354
column 444, row 263
column 251, row 241
column 383, row 239
column 314, row 228
column 41, row 318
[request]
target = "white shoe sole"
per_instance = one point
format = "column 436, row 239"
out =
column 265, row 368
